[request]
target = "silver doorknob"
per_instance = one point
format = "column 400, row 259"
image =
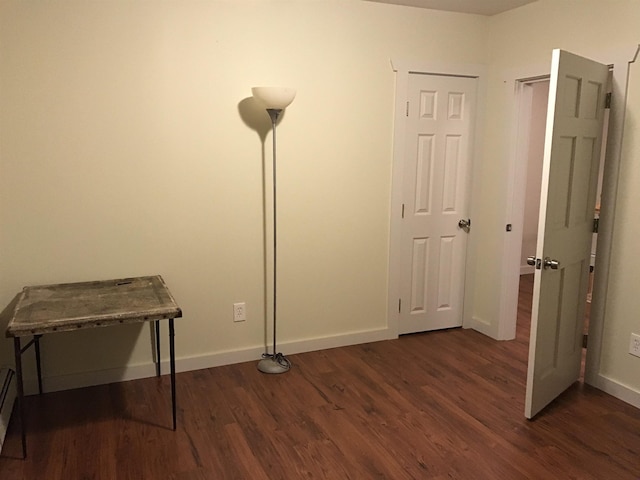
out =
column 464, row 223
column 531, row 260
column 551, row 263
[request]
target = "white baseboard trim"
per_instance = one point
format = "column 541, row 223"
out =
column 288, row 348
column 89, row 379
column 482, row 326
column 342, row 340
column 7, row 399
column 199, row 362
column 616, row 389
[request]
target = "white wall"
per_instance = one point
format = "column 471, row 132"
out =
column 128, row 147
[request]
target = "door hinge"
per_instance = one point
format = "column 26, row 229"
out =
column 607, row 100
column 403, row 210
column 407, row 113
column 399, row 305
column 596, row 224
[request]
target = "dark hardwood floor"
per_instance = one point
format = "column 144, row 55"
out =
column 440, row 405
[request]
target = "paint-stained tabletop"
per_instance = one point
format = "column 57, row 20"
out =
column 71, row 306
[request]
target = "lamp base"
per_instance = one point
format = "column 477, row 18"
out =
column 277, row 363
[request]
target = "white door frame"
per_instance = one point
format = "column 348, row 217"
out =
column 519, row 97
column 525, row 94
column 622, row 59
column 403, row 69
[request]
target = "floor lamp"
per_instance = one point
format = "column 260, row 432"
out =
column 275, row 99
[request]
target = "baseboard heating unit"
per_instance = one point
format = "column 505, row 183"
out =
column 7, row 397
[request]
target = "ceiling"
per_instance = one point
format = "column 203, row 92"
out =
column 480, row 7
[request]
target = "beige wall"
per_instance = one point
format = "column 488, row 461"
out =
column 124, row 152
column 623, row 306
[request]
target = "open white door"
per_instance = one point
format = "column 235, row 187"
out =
column 569, row 182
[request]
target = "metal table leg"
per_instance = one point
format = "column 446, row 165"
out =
column 36, row 340
column 158, row 367
column 18, row 354
column 172, row 362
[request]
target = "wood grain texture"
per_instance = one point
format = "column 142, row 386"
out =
column 44, row 309
column 440, row 405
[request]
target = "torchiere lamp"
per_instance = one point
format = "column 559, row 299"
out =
column 275, row 99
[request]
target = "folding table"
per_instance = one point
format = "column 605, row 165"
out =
column 44, row 309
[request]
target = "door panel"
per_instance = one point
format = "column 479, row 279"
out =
column 569, row 183
column 439, row 124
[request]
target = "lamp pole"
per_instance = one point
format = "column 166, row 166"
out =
column 276, row 99
column 274, row 113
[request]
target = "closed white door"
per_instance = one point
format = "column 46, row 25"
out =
column 569, row 183
column 439, row 126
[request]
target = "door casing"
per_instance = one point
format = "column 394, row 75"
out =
column 403, row 69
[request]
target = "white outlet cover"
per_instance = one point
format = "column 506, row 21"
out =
column 239, row 312
column 634, row 345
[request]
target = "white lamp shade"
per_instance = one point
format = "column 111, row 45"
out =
column 274, row 97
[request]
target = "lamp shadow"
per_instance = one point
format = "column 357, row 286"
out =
column 255, row 116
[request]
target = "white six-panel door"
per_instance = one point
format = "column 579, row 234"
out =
column 440, row 115
column 569, row 183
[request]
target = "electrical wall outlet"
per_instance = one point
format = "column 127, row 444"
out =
column 239, row 312
column 634, row 346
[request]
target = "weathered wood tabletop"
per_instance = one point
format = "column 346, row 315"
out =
column 56, row 308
